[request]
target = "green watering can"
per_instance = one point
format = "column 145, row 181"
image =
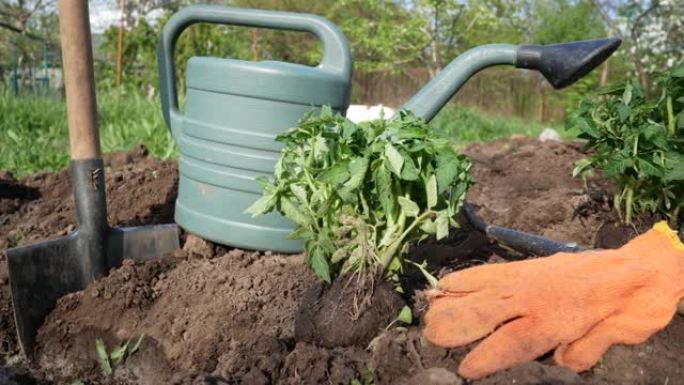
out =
column 234, row 110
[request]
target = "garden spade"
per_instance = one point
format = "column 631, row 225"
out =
column 42, row 273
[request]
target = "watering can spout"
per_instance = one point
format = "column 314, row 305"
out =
column 564, row 64
column 561, row 65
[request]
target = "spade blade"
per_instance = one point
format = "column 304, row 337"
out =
column 39, row 275
column 42, row 273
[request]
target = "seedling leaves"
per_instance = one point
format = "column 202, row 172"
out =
column 360, row 194
column 396, row 161
column 442, row 224
column 637, row 142
column 410, row 207
column 102, row 355
column 405, row 315
column 320, row 265
column 431, row 191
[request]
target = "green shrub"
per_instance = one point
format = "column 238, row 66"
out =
column 638, row 143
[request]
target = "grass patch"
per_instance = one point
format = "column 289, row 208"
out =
column 462, row 124
column 33, row 130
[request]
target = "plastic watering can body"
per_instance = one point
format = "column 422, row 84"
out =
column 234, row 110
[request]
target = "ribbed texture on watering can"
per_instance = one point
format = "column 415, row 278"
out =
column 270, row 80
column 234, row 111
column 215, row 116
column 219, row 176
column 228, row 135
column 244, row 158
column 220, row 217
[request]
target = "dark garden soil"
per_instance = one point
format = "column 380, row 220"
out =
column 213, row 315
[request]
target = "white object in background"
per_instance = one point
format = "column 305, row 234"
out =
column 549, row 134
column 358, row 113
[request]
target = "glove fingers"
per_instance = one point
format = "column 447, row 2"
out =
column 585, row 352
column 514, row 343
column 456, row 321
column 632, row 326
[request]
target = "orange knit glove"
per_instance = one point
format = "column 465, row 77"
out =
column 578, row 304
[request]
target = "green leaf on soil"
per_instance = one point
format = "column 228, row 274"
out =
column 405, row 315
column 432, row 280
column 118, row 355
column 103, row 357
column 137, row 345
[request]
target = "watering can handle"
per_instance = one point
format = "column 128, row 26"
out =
column 336, row 54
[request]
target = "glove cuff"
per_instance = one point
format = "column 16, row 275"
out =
column 663, row 228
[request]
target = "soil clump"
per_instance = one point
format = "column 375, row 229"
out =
column 346, row 313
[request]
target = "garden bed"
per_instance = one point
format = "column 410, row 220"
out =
column 215, row 315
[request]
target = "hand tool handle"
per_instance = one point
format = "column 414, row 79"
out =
column 79, row 80
column 518, row 240
column 336, row 54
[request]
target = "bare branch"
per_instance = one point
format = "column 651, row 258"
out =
column 20, row 31
column 639, row 18
column 607, row 19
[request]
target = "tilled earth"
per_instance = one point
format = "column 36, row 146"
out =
column 210, row 314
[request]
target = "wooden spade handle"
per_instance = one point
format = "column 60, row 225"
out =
column 79, row 80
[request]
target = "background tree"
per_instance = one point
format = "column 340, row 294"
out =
column 556, row 21
column 397, row 45
column 27, row 33
column 653, row 33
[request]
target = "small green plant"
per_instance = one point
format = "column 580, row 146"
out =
column 368, row 378
column 638, row 143
column 15, row 239
column 360, row 194
column 405, row 317
column 110, row 360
